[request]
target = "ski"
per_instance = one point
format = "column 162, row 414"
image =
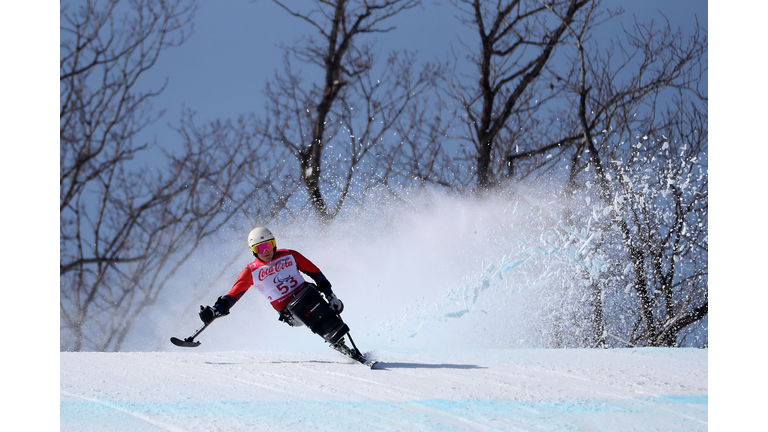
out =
column 189, row 342
column 185, row 342
column 370, row 363
column 352, row 353
column 357, row 357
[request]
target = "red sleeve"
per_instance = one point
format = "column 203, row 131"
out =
column 243, row 282
column 304, row 264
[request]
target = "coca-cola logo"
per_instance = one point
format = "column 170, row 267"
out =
column 276, row 267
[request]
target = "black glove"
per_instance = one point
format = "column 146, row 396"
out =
column 208, row 313
column 222, row 305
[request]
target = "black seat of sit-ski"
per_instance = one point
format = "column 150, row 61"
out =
column 311, row 309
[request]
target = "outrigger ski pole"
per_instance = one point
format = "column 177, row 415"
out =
column 190, row 341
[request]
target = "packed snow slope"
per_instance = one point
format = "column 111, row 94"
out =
column 644, row 389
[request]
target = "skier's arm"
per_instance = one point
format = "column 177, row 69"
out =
column 242, row 284
column 307, row 267
column 225, row 302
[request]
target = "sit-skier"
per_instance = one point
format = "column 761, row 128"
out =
column 276, row 273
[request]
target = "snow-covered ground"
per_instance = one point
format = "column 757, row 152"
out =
column 645, row 389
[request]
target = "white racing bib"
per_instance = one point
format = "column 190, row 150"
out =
column 278, row 279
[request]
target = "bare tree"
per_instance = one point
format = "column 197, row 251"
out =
column 651, row 239
column 618, row 102
column 518, row 39
column 420, row 155
column 348, row 112
column 101, row 111
column 132, row 231
column 126, row 228
column 581, row 119
column 101, row 62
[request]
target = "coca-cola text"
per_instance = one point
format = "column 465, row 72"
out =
column 278, row 266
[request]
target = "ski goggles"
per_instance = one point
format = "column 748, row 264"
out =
column 264, row 246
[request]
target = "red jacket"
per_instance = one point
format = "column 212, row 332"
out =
column 279, row 280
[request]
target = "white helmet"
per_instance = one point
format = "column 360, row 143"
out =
column 260, row 235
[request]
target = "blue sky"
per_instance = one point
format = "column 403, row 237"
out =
column 221, row 71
